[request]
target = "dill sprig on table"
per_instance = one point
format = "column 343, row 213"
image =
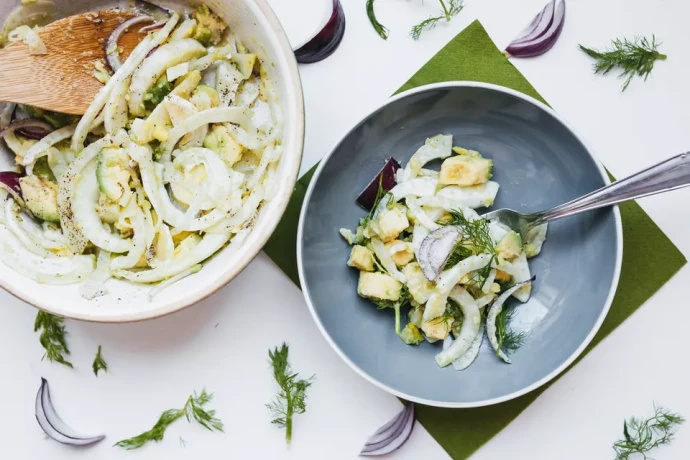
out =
column 378, row 27
column 634, row 58
column 52, row 337
column 292, row 397
column 641, row 436
column 99, row 363
column 450, row 10
column 193, row 409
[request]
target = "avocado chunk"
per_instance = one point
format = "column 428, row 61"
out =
column 157, row 93
column 210, row 27
column 42, row 169
column 205, row 97
column 466, row 168
column 510, row 246
column 411, row 335
column 57, row 119
column 40, row 196
column 221, row 142
column 112, row 173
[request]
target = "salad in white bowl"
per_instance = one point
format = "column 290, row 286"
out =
column 171, row 163
column 424, row 246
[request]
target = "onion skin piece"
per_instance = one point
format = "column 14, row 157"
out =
column 29, row 127
column 52, row 425
column 391, row 436
column 385, row 177
column 326, row 41
column 541, row 44
column 113, row 59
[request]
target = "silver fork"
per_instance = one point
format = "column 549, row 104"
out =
column 670, row 174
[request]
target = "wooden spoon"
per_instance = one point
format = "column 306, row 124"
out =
column 63, row 80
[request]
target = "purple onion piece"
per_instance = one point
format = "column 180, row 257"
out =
column 9, row 180
column 52, row 425
column 29, row 127
column 156, row 26
column 326, row 41
column 113, row 59
column 386, row 177
column 542, row 43
column 545, row 19
column 392, row 435
column 435, row 249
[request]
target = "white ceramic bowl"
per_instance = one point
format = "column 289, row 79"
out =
column 255, row 24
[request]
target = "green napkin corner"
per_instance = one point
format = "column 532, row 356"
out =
column 649, row 258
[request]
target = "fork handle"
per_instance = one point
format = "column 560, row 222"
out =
column 668, row 175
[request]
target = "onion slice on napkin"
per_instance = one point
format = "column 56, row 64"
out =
column 392, row 435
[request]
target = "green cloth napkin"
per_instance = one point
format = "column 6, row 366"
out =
column 649, row 258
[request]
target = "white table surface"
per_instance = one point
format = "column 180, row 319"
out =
column 222, row 343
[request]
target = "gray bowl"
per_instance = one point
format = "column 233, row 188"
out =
column 539, row 162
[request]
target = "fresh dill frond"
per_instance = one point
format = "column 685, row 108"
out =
column 634, row 58
column 640, row 436
column 508, row 340
column 378, row 27
column 99, row 363
column 192, row 410
column 453, row 8
column 475, row 239
column 292, row 397
column 396, row 305
column 52, row 337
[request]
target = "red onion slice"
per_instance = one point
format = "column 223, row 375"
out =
column 385, row 177
column 113, row 58
column 53, row 426
column 30, row 127
column 435, row 249
column 9, row 180
column 392, row 435
column 326, row 41
column 156, row 26
column 536, row 44
column 545, row 17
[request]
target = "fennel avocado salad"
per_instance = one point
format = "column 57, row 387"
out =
column 171, row 162
column 423, row 246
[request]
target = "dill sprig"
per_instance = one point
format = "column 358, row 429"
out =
column 475, row 239
column 641, row 436
column 292, row 397
column 508, row 340
column 378, row 27
column 193, row 409
column 99, row 363
column 52, row 337
column 450, row 10
column 396, row 305
column 636, row 57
